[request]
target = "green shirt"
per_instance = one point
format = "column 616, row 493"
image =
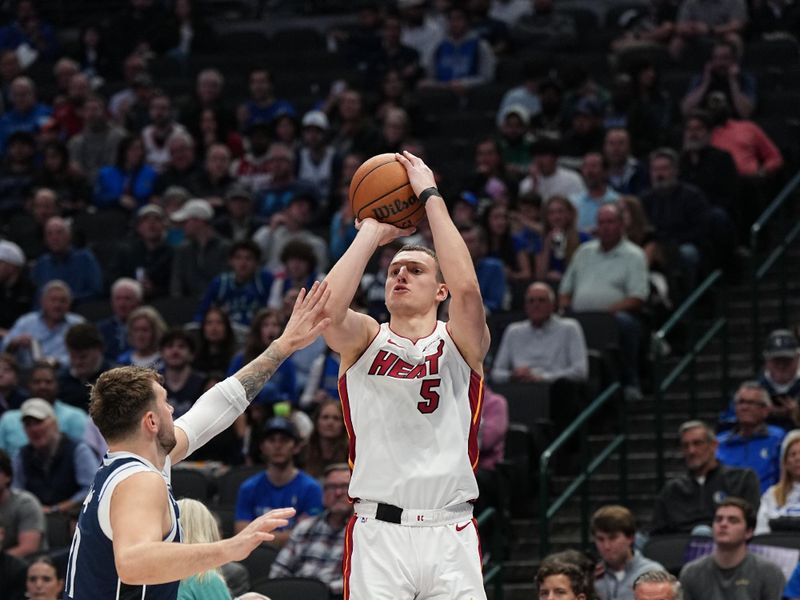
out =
column 211, row 587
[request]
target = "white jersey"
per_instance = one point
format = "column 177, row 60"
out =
column 412, row 413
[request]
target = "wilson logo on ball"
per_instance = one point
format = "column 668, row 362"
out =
column 386, row 211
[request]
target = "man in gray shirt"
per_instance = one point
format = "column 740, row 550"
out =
column 21, row 514
column 544, row 347
column 731, row 572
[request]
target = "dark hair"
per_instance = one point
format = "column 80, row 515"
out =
column 747, row 509
column 204, row 357
column 5, row 464
column 124, row 146
column 83, row 336
column 614, row 519
column 300, row 250
column 314, row 461
column 177, row 334
column 59, row 148
column 576, row 577
column 581, row 560
column 40, row 365
column 45, row 560
column 247, row 245
column 253, row 345
column 11, row 362
column 119, row 398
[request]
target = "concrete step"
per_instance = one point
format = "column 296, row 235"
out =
column 515, row 591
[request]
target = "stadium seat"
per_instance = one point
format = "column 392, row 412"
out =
column 291, row 588
column 528, row 402
column 782, row 539
column 189, row 483
column 258, row 563
column 102, row 225
column 669, row 550
column 176, row 311
column 93, row 310
column 229, row 483
column 58, row 531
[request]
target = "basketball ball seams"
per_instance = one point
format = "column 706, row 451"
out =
column 389, row 193
column 365, row 175
column 408, row 216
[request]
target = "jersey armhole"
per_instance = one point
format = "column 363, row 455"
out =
column 107, row 491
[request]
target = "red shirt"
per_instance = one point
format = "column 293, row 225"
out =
column 750, row 147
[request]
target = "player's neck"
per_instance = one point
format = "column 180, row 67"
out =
column 147, row 450
column 413, row 327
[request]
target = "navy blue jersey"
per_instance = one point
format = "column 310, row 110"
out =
column 91, row 571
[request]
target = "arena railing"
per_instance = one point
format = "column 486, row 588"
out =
column 774, row 257
column 493, row 570
column 662, row 382
column 589, row 465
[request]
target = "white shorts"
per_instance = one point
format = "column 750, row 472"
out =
column 422, row 559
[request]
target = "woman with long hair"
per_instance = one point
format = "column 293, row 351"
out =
column 783, row 498
column 43, row 582
column 327, row 443
column 500, row 243
column 561, row 240
column 64, row 178
column 199, row 526
column 146, row 327
column 216, row 342
column 264, row 329
column 128, row 183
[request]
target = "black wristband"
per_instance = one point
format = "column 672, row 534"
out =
column 427, row 193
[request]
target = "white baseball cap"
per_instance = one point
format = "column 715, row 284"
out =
column 38, row 409
column 316, row 118
column 194, row 209
column 11, row 253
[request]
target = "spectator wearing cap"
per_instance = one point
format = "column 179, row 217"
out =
column 752, row 443
column 238, row 221
column 98, row 139
column 40, row 333
column 202, row 255
column 708, row 168
column 51, row 466
column 129, row 182
column 146, row 257
column 17, row 292
column 525, row 95
column 183, row 384
column 586, row 133
column 782, row 500
column 594, row 171
column 252, row 169
column 86, row 363
column 78, row 267
column 550, row 121
column 462, row 59
column 242, row 290
column 281, row 484
column 213, row 180
column 317, row 161
column 43, row 383
column 157, row 134
column 12, row 394
column 126, row 296
column 21, row 515
column 316, row 546
column 25, row 114
column 181, row 168
column 289, row 225
column 283, row 184
column 515, row 140
column 17, row 172
column 626, row 174
column 544, row 27
column 546, row 177
column 133, row 67
column 263, row 105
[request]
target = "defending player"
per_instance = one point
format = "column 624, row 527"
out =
column 411, row 390
column 122, row 546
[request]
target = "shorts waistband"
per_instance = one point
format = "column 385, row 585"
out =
column 413, row 517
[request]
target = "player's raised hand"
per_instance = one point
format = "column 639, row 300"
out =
column 419, row 174
column 258, row 531
column 307, row 322
column 385, row 231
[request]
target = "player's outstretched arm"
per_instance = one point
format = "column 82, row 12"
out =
column 137, row 523
column 219, row 407
column 350, row 332
column 467, row 316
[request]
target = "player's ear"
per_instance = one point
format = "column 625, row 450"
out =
column 442, row 292
column 150, row 421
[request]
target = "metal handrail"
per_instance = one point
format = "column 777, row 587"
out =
column 757, row 227
column 581, row 482
column 664, row 381
column 493, row 573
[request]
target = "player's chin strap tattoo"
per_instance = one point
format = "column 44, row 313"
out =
column 218, row 408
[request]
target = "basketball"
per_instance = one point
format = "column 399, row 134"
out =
column 380, row 189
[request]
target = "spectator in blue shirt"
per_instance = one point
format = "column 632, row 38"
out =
column 491, row 275
column 129, row 182
column 594, row 171
column 281, row 484
column 29, row 29
column 25, row 114
column 752, row 443
column 241, row 291
column 262, row 106
column 76, row 266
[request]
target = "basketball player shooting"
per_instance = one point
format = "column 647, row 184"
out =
column 411, row 391
column 124, row 545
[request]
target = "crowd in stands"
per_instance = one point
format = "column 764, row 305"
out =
column 163, row 200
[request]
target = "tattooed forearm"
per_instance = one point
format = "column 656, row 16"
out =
column 255, row 374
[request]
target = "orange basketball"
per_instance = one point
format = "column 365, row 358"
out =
column 380, row 189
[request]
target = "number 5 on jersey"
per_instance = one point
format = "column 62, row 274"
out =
column 427, row 390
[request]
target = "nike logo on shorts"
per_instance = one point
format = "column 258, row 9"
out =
column 462, row 527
